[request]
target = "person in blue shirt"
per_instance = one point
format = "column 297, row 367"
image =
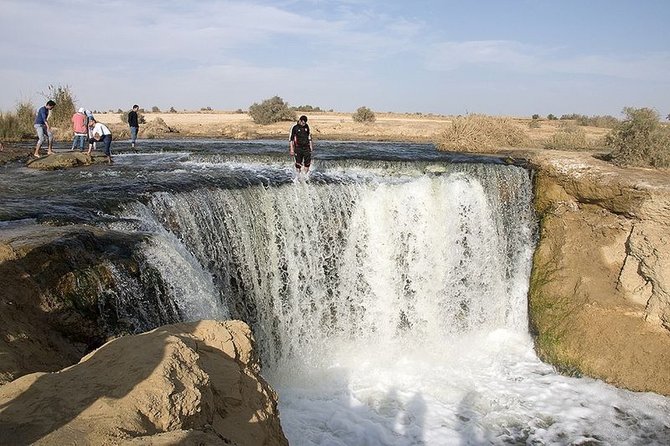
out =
column 42, row 127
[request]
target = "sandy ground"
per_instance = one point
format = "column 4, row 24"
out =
column 327, row 126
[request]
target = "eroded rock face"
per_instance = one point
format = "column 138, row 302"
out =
column 599, row 301
column 186, row 383
column 60, row 294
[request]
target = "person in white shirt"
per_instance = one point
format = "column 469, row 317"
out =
column 101, row 133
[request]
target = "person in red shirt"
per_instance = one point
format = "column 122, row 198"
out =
column 80, row 130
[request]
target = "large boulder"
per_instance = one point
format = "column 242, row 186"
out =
column 188, row 383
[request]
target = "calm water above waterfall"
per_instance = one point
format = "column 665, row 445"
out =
column 387, row 293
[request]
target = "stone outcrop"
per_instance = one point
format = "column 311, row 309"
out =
column 64, row 160
column 188, row 383
column 156, row 128
column 599, row 299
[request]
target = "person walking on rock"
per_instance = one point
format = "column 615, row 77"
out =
column 43, row 128
column 300, row 145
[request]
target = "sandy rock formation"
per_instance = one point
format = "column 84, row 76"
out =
column 188, row 383
column 599, row 298
column 64, row 160
column 157, row 128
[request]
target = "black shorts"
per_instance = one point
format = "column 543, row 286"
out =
column 303, row 157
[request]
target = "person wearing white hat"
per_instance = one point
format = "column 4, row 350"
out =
column 80, row 130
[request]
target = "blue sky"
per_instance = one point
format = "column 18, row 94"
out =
column 449, row 57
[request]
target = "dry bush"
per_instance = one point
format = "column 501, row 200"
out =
column 18, row 124
column 481, row 133
column 569, row 137
column 61, row 115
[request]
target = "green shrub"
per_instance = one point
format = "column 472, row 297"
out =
column 364, row 114
column 480, row 133
column 640, row 140
column 270, row 111
column 536, row 116
column 551, row 117
column 172, row 110
column 155, row 109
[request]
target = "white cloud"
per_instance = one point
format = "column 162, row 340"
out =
column 533, row 59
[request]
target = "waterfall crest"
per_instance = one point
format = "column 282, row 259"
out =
column 309, row 264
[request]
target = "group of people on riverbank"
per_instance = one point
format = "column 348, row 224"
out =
column 85, row 128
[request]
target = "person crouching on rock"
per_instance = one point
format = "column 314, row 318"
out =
column 102, row 134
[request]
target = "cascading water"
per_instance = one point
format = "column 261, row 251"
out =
column 389, row 308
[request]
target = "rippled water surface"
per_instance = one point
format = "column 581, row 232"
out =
column 92, row 192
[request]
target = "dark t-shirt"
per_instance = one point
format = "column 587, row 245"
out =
column 132, row 119
column 300, row 136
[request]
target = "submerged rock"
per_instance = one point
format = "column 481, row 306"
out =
column 187, row 383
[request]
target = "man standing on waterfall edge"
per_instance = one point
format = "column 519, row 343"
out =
column 300, row 145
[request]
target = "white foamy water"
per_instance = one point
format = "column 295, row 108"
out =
column 393, row 311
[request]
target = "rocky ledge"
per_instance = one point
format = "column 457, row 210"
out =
column 189, row 383
column 599, row 300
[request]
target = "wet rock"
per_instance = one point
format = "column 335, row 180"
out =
column 64, row 160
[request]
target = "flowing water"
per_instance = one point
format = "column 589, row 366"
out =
column 387, row 291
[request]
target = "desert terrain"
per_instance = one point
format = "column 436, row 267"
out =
column 410, row 127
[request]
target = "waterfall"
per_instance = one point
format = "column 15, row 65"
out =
column 388, row 303
column 310, row 264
